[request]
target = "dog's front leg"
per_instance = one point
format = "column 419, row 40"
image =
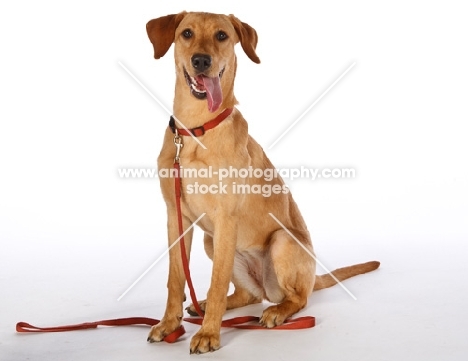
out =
column 224, row 242
column 176, row 282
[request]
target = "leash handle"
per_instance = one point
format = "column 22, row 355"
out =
column 24, row 327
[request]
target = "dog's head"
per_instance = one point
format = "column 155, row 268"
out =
column 204, row 50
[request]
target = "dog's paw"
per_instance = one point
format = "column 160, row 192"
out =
column 272, row 317
column 162, row 329
column 204, row 342
column 191, row 309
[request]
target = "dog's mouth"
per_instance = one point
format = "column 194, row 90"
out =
column 204, row 87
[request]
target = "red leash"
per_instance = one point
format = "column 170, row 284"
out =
column 236, row 322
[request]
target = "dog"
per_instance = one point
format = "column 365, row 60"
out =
column 248, row 247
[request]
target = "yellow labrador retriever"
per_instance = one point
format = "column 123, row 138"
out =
column 247, row 245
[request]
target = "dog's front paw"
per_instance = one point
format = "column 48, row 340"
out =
column 204, row 342
column 162, row 329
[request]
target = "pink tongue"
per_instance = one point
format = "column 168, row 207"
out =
column 214, row 94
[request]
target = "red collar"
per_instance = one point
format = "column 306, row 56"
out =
column 199, row 131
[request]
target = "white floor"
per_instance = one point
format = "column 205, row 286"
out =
column 413, row 308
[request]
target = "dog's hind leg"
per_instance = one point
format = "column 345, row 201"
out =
column 239, row 298
column 289, row 276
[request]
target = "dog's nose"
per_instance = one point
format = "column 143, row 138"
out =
column 201, row 62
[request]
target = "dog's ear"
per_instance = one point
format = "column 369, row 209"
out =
column 247, row 36
column 161, row 32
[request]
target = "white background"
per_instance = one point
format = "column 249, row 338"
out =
column 74, row 236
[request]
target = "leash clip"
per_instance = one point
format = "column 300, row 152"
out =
column 178, row 143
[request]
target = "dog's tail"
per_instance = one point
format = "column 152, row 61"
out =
column 341, row 274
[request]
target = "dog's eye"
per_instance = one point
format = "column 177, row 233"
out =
column 221, row 35
column 187, row 33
